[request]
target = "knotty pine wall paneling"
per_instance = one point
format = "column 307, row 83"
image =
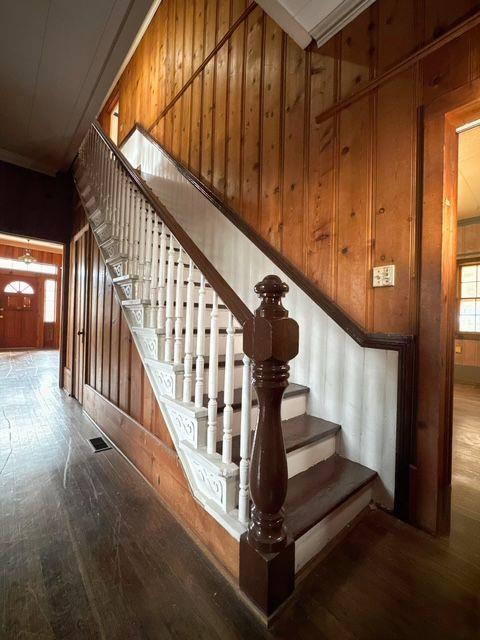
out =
column 315, row 149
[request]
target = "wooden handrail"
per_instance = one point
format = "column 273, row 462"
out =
column 228, row 296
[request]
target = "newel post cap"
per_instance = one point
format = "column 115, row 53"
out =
column 270, row 333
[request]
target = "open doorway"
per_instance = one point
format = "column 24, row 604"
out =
column 30, row 293
column 465, row 499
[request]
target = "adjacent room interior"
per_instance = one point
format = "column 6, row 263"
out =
column 466, row 416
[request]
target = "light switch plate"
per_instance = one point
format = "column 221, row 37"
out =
column 384, row 276
column 458, row 348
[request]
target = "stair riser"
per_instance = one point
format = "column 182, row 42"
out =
column 312, row 542
column 291, row 407
column 306, row 457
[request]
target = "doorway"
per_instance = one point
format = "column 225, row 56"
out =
column 76, row 321
column 465, row 500
column 30, row 293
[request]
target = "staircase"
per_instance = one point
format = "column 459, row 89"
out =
column 188, row 326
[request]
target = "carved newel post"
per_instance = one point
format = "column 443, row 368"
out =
column 266, row 552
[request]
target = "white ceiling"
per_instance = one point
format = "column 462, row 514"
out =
column 317, row 19
column 469, row 174
column 58, row 59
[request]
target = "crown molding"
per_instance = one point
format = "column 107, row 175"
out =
column 347, row 11
column 288, row 22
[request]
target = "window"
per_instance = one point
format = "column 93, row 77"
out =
column 469, row 313
column 114, row 116
column 49, row 307
column 33, row 267
column 17, row 286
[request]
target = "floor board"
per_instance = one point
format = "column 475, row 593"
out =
column 88, row 551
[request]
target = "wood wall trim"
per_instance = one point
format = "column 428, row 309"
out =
column 161, row 468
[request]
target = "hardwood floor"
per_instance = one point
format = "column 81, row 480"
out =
column 88, row 551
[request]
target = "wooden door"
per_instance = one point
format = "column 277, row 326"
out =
column 80, row 248
column 19, row 309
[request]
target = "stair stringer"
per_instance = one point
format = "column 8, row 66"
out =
column 213, row 483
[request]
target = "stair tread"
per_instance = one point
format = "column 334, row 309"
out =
column 298, row 432
column 291, row 391
column 316, row 492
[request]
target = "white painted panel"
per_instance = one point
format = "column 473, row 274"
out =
column 352, row 386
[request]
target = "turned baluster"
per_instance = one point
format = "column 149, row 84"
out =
column 102, row 180
column 147, row 276
column 130, row 228
column 122, row 222
column 155, row 254
column 169, row 311
column 270, row 340
column 228, row 391
column 161, row 292
column 178, row 342
column 188, row 361
column 110, row 189
column 115, row 183
column 136, row 229
column 142, row 210
column 200, row 346
column 245, row 439
column 213, row 379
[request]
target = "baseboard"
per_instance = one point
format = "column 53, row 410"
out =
column 160, row 466
column 467, row 374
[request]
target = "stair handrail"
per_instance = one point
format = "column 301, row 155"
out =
column 228, row 295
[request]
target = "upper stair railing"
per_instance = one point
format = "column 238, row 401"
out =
column 187, row 320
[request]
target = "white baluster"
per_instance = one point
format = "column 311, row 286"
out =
column 245, row 439
column 131, row 229
column 136, row 229
column 169, row 312
column 177, row 350
column 155, row 255
column 142, row 211
column 188, row 362
column 122, row 211
column 200, row 347
column 161, row 293
column 148, row 253
column 212, row 379
column 228, row 391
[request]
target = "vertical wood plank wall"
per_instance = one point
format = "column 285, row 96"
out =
column 316, row 150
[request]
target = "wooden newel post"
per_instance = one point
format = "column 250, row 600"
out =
column 267, row 556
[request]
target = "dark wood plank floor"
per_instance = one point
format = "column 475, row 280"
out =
column 88, row 551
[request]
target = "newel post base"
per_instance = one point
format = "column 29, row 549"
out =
column 268, row 579
column 267, row 553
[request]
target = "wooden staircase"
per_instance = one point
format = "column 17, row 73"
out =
column 189, row 325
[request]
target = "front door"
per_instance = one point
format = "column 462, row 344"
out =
column 18, row 311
